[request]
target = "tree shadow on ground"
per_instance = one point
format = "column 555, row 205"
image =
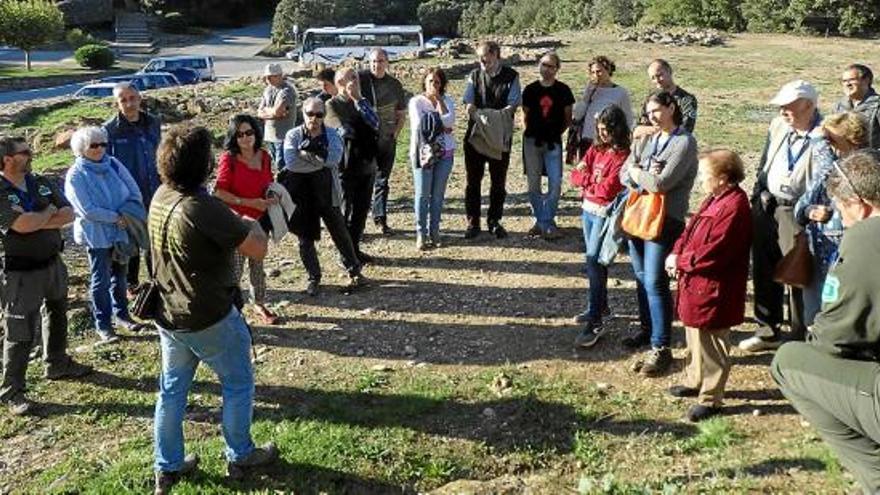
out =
column 442, row 342
column 769, row 467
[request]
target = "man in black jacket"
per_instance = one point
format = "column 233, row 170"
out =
column 357, row 123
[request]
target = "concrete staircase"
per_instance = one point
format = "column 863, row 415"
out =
column 134, row 35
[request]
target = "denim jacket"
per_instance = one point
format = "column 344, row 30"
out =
column 824, row 237
column 134, row 144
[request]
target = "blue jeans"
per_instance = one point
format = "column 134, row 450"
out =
column 597, row 273
column 812, row 294
column 276, row 151
column 539, row 160
column 225, row 346
column 430, row 191
column 107, row 288
column 652, row 283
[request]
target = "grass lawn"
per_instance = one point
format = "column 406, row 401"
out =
column 453, row 372
column 19, row 70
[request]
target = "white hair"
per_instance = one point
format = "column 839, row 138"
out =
column 84, row 136
column 313, row 100
column 122, row 86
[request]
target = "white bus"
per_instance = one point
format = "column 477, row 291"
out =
column 331, row 45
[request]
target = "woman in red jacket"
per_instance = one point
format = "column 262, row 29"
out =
column 711, row 261
column 598, row 177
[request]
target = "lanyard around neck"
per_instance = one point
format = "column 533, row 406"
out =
column 655, row 153
column 792, row 160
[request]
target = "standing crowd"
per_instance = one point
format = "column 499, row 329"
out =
column 137, row 193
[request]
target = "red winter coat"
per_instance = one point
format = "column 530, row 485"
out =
column 713, row 262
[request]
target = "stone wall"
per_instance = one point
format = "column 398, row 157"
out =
column 86, row 12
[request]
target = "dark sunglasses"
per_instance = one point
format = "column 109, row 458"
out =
column 95, row 146
column 319, row 115
column 246, row 133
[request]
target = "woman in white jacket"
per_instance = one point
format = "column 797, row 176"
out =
column 431, row 161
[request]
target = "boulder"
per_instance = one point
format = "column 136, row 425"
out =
column 62, row 139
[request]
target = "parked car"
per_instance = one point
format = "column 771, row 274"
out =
column 202, row 64
column 147, row 80
column 96, row 90
column 436, row 42
column 185, row 75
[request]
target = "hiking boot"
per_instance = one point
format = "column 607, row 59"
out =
column 536, row 230
column 129, row 324
column 260, row 456
column 657, row 362
column 641, row 337
column 106, row 337
column 552, row 233
column 67, row 369
column 165, row 480
column 497, row 230
column 765, row 339
column 472, row 231
column 699, row 412
column 682, row 391
column 435, row 239
column 19, row 405
column 590, row 334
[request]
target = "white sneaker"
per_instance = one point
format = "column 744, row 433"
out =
column 763, row 340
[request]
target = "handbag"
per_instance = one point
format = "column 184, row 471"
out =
column 146, row 303
column 643, row 215
column 796, row 267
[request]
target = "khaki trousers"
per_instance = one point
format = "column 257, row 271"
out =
column 708, row 363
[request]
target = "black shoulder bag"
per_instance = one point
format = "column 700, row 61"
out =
column 146, row 302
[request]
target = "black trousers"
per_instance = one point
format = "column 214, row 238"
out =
column 475, row 165
column 774, row 233
column 385, row 163
column 357, row 194
column 313, row 195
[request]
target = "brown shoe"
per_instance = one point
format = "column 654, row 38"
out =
column 165, row 480
column 260, row 456
column 657, row 362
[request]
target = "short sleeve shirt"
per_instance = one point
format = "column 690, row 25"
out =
column 276, row 129
column 546, row 117
column 236, row 177
column 41, row 192
column 387, row 96
column 195, row 268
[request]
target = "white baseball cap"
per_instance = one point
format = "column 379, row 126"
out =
column 273, row 70
column 795, row 90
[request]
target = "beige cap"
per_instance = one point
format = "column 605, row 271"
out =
column 795, row 90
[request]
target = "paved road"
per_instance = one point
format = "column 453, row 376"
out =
column 234, row 52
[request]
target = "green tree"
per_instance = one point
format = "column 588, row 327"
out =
column 302, row 13
column 27, row 24
column 440, row 16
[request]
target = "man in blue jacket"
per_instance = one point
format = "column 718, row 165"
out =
column 133, row 138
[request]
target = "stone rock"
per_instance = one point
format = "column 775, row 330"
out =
column 86, row 12
column 62, row 139
column 489, row 413
column 674, row 37
column 501, row 384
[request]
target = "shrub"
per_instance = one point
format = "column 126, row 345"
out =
column 765, row 15
column 516, row 16
column 302, row 13
column 619, row 12
column 94, row 56
column 76, row 38
column 718, row 14
column 440, row 16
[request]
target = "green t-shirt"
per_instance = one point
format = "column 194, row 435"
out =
column 195, row 268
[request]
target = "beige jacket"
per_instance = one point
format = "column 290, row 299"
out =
column 492, row 133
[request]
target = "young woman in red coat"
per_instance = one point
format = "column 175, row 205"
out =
column 598, row 178
column 711, row 261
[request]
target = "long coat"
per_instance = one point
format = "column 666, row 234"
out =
column 713, row 262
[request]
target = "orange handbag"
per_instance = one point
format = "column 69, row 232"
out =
column 643, row 215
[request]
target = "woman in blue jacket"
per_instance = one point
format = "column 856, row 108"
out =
column 105, row 198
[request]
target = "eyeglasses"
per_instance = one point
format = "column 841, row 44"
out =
column 245, row 133
column 846, row 181
column 849, row 80
column 549, row 66
column 95, row 146
column 317, row 115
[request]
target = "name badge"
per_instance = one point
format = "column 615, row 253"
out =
column 13, row 199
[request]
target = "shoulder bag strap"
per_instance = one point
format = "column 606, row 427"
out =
column 165, row 233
